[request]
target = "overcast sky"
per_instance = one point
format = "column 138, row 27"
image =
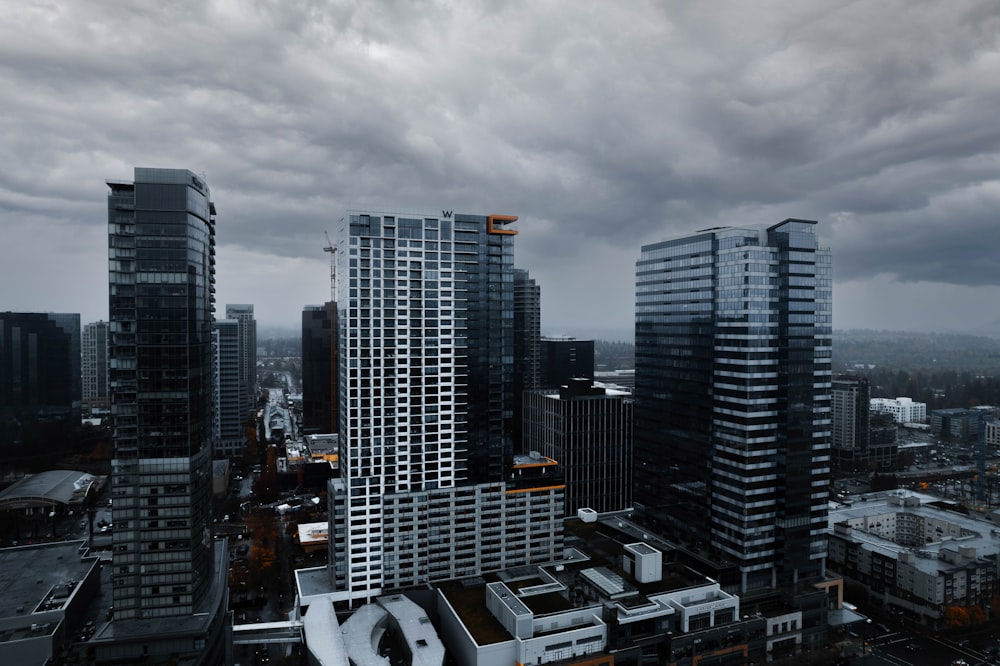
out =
column 602, row 125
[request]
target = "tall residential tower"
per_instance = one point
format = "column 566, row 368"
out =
column 243, row 314
column 851, row 436
column 230, row 398
column 94, row 365
column 426, row 347
column 161, row 232
column 732, row 395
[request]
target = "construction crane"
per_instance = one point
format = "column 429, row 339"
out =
column 332, row 249
column 332, row 313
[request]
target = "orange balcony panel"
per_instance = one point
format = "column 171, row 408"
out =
column 493, row 229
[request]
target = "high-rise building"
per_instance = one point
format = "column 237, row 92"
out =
column 587, row 429
column 428, row 486
column 40, row 385
column 564, row 359
column 248, row 354
column 883, row 442
column 527, row 345
column 850, row 433
column 94, row 365
column 732, row 395
column 319, row 368
column 161, row 230
column 230, row 408
column 483, row 258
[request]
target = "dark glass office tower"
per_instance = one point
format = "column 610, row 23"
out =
column 319, row 368
column 162, row 284
column 484, row 283
column 564, row 359
column 527, row 345
column 40, row 379
column 588, row 430
column 732, row 397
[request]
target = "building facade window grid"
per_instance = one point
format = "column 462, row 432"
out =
column 426, row 355
column 161, row 286
column 733, row 339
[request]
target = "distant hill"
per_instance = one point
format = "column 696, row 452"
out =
column 903, row 350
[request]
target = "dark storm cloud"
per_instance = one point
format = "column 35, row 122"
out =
column 602, row 125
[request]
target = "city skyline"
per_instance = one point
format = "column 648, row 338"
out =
column 604, row 128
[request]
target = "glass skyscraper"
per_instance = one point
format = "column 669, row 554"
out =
column 527, row 345
column 732, row 397
column 161, row 231
column 40, row 379
column 319, row 368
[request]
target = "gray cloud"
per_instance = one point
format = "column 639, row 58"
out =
column 603, row 126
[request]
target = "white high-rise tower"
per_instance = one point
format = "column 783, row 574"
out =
column 428, row 488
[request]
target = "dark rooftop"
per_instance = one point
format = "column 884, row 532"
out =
column 550, row 602
column 603, row 544
column 606, row 544
column 469, row 603
column 34, row 577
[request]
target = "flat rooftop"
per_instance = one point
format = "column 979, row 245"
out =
column 37, row 577
column 468, row 598
column 600, row 541
column 593, row 557
column 977, row 532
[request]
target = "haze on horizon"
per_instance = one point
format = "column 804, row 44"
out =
column 603, row 126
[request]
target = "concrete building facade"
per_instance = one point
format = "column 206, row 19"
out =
column 613, row 597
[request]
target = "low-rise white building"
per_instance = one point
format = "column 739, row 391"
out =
column 903, row 410
column 993, row 433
